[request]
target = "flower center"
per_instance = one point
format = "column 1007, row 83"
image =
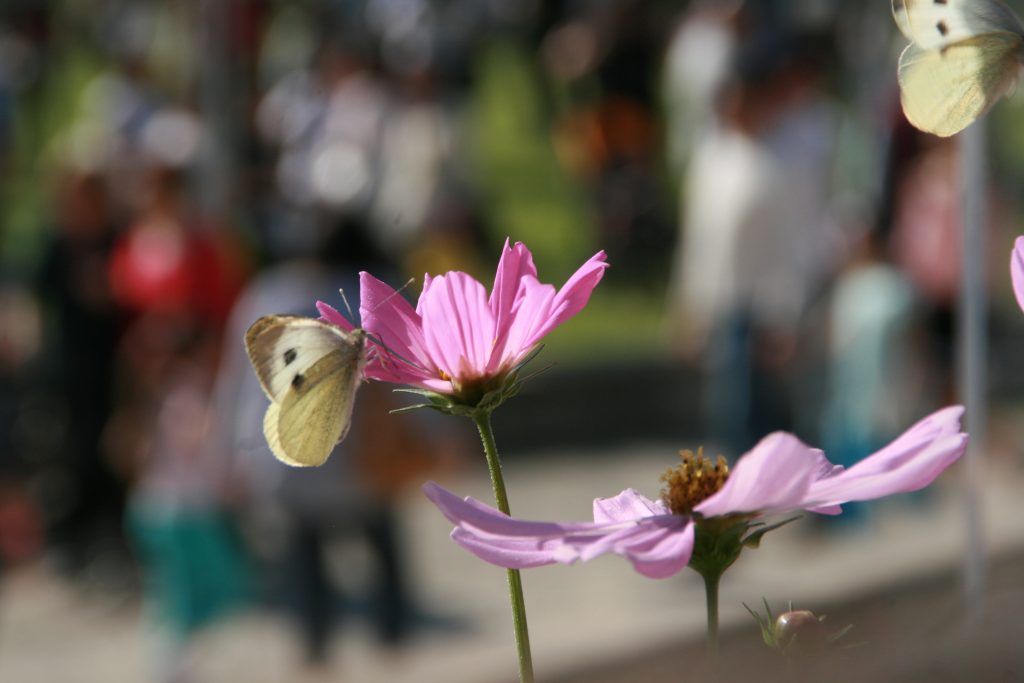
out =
column 695, row 479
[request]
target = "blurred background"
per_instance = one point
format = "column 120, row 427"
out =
column 784, row 254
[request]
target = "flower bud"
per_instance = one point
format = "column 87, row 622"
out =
column 800, row 630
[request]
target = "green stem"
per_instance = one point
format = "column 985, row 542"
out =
column 711, row 592
column 483, row 423
column 515, row 583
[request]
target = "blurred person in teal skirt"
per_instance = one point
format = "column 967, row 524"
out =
column 874, row 380
column 178, row 518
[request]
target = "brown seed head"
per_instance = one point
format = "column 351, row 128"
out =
column 695, row 479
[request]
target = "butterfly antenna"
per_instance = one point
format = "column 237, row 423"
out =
column 391, row 352
column 351, row 315
column 386, row 299
column 393, row 294
column 378, row 340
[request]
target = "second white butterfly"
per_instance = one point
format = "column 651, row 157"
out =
column 964, row 55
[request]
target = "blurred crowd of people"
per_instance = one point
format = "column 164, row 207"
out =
column 185, row 198
column 818, row 268
column 173, row 170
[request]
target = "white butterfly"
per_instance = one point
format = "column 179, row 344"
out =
column 964, row 55
column 310, row 370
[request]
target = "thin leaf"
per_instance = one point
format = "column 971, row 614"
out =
column 754, row 539
column 406, row 409
column 838, row 634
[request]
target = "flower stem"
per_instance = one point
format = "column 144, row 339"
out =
column 711, row 592
column 515, row 583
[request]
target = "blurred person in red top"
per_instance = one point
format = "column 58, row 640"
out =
column 176, row 274
column 172, row 261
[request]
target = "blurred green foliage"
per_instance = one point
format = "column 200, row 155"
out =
column 526, row 195
column 616, row 324
column 41, row 114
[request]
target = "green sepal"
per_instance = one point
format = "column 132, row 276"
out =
column 718, row 541
column 717, row 544
column 774, row 634
column 754, row 539
column 765, row 623
column 839, row 634
column 474, row 399
column 406, row 409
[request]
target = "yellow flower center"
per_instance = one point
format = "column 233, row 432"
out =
column 695, row 479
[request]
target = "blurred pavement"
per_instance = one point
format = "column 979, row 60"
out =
column 579, row 616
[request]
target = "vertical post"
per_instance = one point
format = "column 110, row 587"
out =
column 216, row 89
column 971, row 345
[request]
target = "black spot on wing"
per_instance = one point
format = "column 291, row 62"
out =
column 940, row 2
column 298, row 381
column 289, row 356
column 943, row 29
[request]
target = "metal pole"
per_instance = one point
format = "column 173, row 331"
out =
column 217, row 163
column 971, row 345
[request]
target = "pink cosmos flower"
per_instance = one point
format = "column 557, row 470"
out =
column 1017, row 270
column 779, row 474
column 459, row 337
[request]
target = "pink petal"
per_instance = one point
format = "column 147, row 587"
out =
column 665, row 556
column 658, row 545
column 532, row 312
column 510, row 553
column 1017, row 270
column 834, row 509
column 331, row 315
column 573, row 296
column 909, row 463
column 515, row 263
column 374, row 368
column 458, row 325
column 389, row 318
column 487, row 521
column 774, row 476
column 514, row 268
column 630, row 504
column 428, row 281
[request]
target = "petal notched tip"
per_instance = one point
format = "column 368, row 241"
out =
column 330, row 314
column 911, row 462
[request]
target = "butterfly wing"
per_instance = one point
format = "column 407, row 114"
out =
column 304, row 427
column 935, row 25
column 310, row 370
column 283, row 346
column 944, row 91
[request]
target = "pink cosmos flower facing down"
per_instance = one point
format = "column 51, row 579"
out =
column 1017, row 270
column 458, row 333
column 779, row 474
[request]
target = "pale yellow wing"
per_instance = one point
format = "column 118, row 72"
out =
column 944, row 91
column 310, row 370
column 272, row 434
column 283, row 346
column 316, row 411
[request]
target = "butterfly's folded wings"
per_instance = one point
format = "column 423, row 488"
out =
column 944, row 91
column 310, row 370
column 303, row 428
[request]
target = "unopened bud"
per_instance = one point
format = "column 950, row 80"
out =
column 800, row 630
